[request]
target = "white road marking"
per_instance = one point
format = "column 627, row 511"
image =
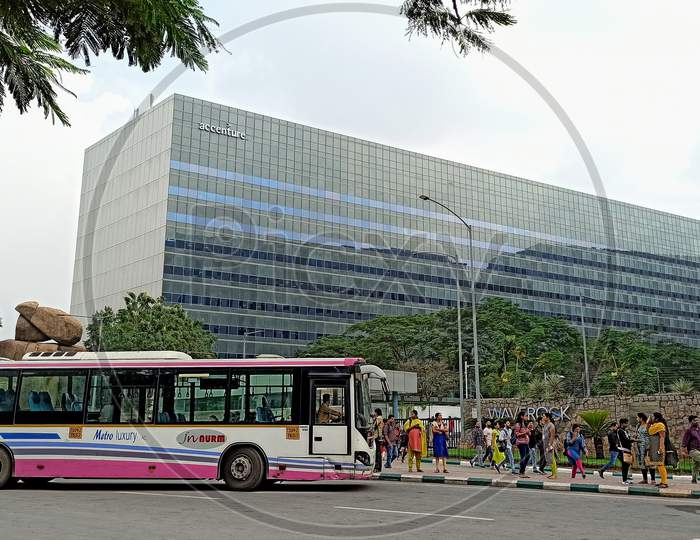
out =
column 168, row 495
column 411, row 513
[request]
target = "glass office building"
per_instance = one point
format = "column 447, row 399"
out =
column 274, row 233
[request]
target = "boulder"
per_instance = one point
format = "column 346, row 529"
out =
column 15, row 349
column 54, row 323
column 27, row 309
column 26, row 331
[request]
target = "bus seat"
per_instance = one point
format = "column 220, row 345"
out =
column 34, row 401
column 181, row 418
column 10, row 397
column 45, row 403
column 107, row 413
column 264, row 415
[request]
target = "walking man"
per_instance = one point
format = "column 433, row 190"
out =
column 614, row 447
column 478, row 442
column 506, row 445
column 378, row 428
column 390, row 440
column 691, row 445
column 549, row 441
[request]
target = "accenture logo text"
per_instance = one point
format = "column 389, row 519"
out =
column 228, row 130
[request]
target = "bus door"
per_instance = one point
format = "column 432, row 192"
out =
column 330, row 415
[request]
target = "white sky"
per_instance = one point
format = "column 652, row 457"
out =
column 628, row 80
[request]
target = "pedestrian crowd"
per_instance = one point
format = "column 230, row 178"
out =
column 646, row 445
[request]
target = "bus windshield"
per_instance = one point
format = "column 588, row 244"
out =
column 363, row 403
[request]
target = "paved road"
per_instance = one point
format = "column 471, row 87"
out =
column 175, row 510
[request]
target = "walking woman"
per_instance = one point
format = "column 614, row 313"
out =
column 439, row 430
column 416, row 441
column 642, row 440
column 522, row 439
column 575, row 447
column 498, row 456
column 658, row 437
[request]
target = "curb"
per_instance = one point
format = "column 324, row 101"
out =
column 539, row 485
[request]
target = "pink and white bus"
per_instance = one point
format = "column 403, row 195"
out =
column 166, row 415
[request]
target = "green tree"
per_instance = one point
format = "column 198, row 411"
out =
column 596, row 425
column 148, row 324
column 464, row 23
column 34, row 33
column 435, row 378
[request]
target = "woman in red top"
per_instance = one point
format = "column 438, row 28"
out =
column 522, row 439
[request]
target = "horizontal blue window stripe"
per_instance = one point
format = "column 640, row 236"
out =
column 98, row 446
column 328, row 218
column 371, row 203
column 27, row 436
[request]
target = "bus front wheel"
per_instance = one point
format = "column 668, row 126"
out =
column 5, row 468
column 244, row 469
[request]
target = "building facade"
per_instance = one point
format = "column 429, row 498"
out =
column 274, row 234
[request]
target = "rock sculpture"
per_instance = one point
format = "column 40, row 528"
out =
column 37, row 325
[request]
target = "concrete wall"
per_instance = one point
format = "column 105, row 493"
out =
column 674, row 407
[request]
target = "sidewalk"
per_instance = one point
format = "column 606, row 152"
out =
column 461, row 473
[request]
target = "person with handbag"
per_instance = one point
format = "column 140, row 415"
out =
column 625, row 448
column 642, row 440
column 658, row 434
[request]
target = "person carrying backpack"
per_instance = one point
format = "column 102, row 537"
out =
column 506, row 439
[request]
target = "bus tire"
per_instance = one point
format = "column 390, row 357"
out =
column 244, row 469
column 5, row 468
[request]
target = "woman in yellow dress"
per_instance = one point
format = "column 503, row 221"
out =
column 658, row 433
column 417, row 443
column 498, row 455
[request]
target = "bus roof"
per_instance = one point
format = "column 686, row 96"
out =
column 154, row 359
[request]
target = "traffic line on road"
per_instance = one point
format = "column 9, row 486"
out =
column 168, row 495
column 381, row 510
column 505, row 482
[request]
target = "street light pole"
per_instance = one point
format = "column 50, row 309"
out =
column 245, row 338
column 585, row 348
column 477, row 387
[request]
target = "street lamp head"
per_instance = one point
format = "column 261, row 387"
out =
column 424, row 197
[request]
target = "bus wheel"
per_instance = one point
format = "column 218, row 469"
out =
column 5, row 469
column 244, row 469
column 35, row 481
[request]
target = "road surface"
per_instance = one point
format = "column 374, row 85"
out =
column 204, row 511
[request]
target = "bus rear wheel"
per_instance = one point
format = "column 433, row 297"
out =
column 6, row 479
column 244, row 469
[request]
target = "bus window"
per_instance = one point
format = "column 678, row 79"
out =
column 262, row 398
column 270, row 398
column 51, row 397
column 239, row 384
column 330, row 404
column 8, row 392
column 122, row 396
column 191, row 396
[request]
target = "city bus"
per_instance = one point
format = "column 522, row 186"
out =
column 165, row 415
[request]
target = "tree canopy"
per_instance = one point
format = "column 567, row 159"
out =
column 520, row 354
column 148, row 324
column 34, row 33
column 464, row 23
